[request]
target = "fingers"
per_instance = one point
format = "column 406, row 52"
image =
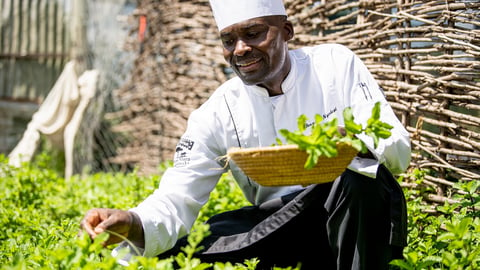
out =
column 91, row 219
column 115, row 222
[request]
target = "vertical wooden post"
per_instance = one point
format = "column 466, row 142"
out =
column 78, row 36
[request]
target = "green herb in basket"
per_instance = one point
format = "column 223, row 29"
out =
column 324, row 136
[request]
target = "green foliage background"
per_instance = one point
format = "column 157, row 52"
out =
column 40, row 212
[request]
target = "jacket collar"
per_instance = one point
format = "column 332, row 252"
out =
column 287, row 84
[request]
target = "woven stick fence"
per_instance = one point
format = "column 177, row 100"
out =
column 424, row 54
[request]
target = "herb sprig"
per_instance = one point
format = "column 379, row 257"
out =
column 324, row 136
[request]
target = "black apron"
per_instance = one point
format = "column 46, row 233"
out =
column 355, row 222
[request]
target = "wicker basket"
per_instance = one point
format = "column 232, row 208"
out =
column 284, row 165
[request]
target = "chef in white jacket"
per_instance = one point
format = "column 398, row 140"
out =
column 357, row 221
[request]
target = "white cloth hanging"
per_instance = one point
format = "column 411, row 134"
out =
column 58, row 117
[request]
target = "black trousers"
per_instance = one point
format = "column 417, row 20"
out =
column 353, row 223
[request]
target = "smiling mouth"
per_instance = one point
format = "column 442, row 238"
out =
column 249, row 63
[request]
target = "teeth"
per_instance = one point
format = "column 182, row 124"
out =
column 247, row 64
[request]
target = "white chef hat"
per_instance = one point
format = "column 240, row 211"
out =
column 228, row 12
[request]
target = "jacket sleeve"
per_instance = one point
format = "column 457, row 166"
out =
column 361, row 92
column 171, row 210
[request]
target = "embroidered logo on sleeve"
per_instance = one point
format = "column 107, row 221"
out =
column 182, row 152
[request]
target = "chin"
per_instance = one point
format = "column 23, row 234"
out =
column 252, row 80
column 248, row 82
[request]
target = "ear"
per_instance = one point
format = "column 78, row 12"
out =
column 288, row 30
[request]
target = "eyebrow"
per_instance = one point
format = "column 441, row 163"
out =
column 223, row 35
column 244, row 28
column 252, row 25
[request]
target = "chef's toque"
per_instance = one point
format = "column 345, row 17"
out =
column 228, row 12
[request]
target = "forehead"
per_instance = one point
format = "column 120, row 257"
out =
column 245, row 25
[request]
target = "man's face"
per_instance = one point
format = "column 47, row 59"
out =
column 257, row 49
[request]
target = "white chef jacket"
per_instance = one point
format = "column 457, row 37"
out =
column 323, row 80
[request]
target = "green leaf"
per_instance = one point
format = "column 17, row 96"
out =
column 359, row 145
column 376, row 111
column 311, row 161
column 324, row 136
column 350, row 125
column 384, row 134
column 302, row 119
column 318, row 119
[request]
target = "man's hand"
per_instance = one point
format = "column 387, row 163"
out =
column 119, row 224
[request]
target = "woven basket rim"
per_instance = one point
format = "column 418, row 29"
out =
column 283, row 147
column 284, row 164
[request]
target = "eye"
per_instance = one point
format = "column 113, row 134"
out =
column 227, row 42
column 252, row 34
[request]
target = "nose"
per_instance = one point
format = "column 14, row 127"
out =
column 241, row 48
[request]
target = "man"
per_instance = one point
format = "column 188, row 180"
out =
column 356, row 222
